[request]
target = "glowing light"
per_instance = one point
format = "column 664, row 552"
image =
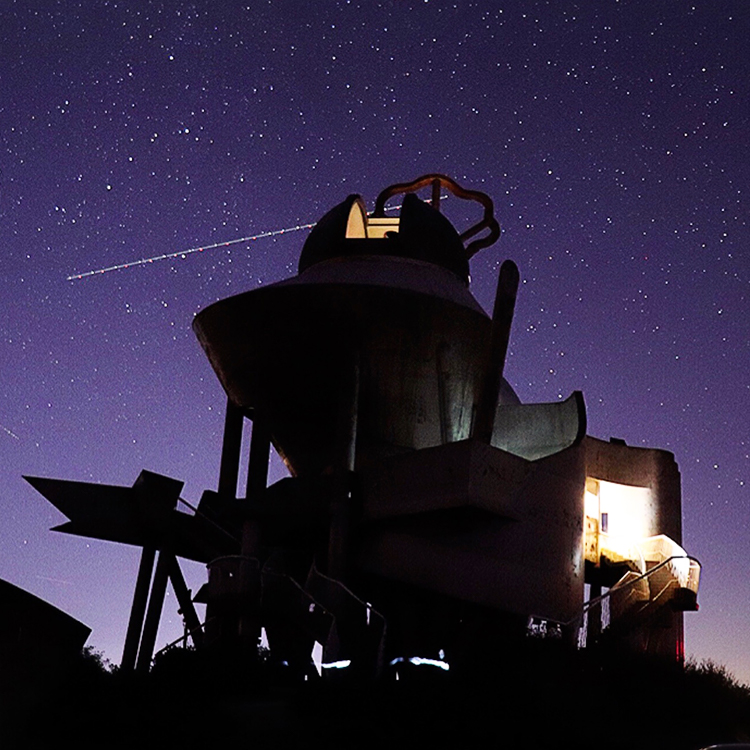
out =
column 419, row 661
column 337, row 664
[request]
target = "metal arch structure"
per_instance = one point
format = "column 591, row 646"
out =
column 437, row 181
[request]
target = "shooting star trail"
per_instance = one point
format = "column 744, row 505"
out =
column 190, row 251
column 202, row 248
column 9, row 432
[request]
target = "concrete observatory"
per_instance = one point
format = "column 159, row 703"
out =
column 430, row 517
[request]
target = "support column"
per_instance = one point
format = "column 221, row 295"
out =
column 344, row 644
column 249, row 625
column 153, row 615
column 257, row 480
column 138, row 610
column 346, row 446
column 230, row 450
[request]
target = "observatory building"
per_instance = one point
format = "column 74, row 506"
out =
column 429, row 515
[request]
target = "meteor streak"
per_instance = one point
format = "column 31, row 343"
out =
column 183, row 253
column 9, row 432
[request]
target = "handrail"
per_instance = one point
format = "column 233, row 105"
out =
column 599, row 599
column 183, row 637
column 268, row 571
column 340, row 584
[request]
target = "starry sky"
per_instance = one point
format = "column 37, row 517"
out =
column 611, row 135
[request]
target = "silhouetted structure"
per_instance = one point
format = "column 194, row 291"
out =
column 38, row 644
column 430, row 518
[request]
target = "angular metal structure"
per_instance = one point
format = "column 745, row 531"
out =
column 429, row 514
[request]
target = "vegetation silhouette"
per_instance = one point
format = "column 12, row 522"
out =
column 536, row 695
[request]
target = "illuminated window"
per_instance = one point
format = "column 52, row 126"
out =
column 618, row 518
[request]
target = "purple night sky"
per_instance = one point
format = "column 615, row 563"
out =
column 611, row 135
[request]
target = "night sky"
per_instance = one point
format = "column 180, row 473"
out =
column 611, row 135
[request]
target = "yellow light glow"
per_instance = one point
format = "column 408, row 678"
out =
column 356, row 226
column 376, row 228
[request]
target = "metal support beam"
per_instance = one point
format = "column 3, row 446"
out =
column 138, row 610
column 257, row 480
column 435, row 197
column 230, row 450
column 340, row 508
column 153, row 615
column 345, row 459
column 182, row 592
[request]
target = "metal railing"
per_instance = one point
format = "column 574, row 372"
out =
column 692, row 578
